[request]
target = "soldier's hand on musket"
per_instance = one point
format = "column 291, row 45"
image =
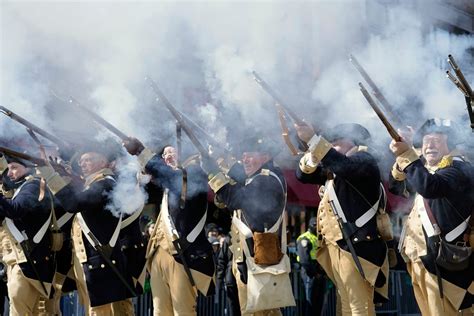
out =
column 133, row 146
column 399, row 148
column 305, row 132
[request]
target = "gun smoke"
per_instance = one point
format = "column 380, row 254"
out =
column 202, row 54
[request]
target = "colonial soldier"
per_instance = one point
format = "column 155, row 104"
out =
column 351, row 251
column 105, row 274
column 311, row 272
column 440, row 215
column 256, row 191
column 180, row 259
column 27, row 245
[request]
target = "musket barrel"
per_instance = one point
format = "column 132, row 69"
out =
column 457, row 83
column 391, row 130
column 277, row 99
column 32, row 126
column 375, row 90
column 16, row 154
column 97, row 118
column 460, row 76
column 177, row 116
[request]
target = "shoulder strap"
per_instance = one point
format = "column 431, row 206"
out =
column 364, row 218
column 87, row 231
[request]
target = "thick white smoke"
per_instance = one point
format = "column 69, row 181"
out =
column 128, row 195
column 204, row 52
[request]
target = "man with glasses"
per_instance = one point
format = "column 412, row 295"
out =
column 180, row 258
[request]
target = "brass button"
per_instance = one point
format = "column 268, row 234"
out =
column 90, row 266
column 113, row 261
column 356, row 239
column 46, row 258
column 102, row 265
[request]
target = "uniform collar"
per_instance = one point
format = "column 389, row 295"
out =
column 102, row 173
column 446, row 161
column 357, row 149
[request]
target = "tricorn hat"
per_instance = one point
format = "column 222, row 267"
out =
column 436, row 125
column 353, row 131
column 110, row 149
column 258, row 143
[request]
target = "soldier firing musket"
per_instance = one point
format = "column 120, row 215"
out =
column 460, row 81
column 347, row 214
column 180, row 257
column 27, row 217
column 282, row 109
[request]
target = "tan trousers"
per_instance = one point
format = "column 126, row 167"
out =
column 170, row 286
column 356, row 293
column 242, row 291
column 25, row 299
column 120, row 308
column 425, row 286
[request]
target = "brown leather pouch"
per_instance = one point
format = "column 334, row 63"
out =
column 267, row 248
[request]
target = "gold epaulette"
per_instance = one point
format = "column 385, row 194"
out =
column 265, row 172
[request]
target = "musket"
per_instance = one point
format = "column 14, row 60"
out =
column 209, row 139
column 25, row 245
column 40, row 162
column 282, row 109
column 33, row 127
column 460, row 76
column 462, row 84
column 161, row 97
column 180, row 246
column 23, row 156
column 277, row 99
column 390, row 129
column 105, row 251
column 346, row 234
column 375, row 90
column 98, row 119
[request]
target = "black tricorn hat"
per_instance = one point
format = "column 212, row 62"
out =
column 109, row 148
column 436, row 125
column 11, row 159
column 258, row 143
column 353, row 131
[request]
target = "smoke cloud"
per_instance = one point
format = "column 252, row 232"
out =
column 202, row 54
